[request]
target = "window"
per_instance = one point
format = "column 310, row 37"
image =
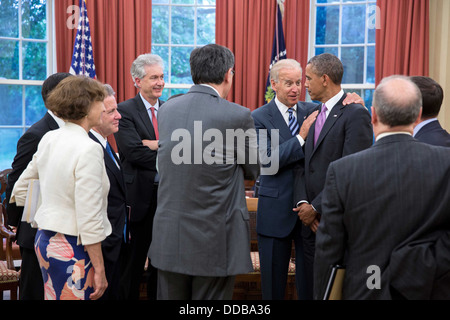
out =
column 25, row 55
column 346, row 28
column 179, row 26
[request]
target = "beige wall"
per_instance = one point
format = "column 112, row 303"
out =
column 440, row 53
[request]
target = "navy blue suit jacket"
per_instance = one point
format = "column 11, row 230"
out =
column 117, row 207
column 138, row 161
column 275, row 217
column 434, row 134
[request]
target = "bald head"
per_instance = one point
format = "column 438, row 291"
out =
column 397, row 101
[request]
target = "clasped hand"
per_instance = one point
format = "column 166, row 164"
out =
column 308, row 215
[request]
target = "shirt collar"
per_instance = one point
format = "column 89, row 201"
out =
column 60, row 122
column 207, row 85
column 334, row 100
column 284, row 108
column 148, row 105
column 422, row 124
column 385, row 134
column 99, row 137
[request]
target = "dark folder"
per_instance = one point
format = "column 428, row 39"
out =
column 335, row 282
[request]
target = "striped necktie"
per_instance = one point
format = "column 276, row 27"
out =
column 293, row 123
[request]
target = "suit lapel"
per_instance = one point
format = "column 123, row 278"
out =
column 110, row 164
column 143, row 114
column 334, row 115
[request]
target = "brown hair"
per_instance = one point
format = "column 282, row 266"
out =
column 73, row 97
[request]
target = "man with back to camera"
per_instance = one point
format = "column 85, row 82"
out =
column 201, row 236
column 137, row 141
column 385, row 209
column 429, row 129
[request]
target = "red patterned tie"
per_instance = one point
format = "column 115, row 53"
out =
column 155, row 122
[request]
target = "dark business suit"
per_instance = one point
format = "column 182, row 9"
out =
column 275, row 218
column 113, row 247
column 139, row 170
column 31, row 285
column 201, row 231
column 347, row 130
column 433, row 133
column 388, row 207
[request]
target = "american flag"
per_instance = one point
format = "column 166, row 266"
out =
column 83, row 58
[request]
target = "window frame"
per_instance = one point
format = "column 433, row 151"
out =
column 168, row 68
column 348, row 87
column 51, row 62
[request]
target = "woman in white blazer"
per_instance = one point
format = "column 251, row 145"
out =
column 71, row 219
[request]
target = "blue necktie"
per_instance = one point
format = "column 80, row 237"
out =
column 293, row 123
column 109, row 150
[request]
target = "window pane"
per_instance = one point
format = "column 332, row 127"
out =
column 34, row 19
column 206, row 25
column 9, row 59
column 327, row 25
column 9, row 19
column 178, row 91
column 163, row 52
column 368, row 97
column 9, row 146
column 327, row 1
column 353, row 24
column 353, row 60
column 11, row 105
column 34, row 105
column 34, row 61
column 160, row 1
column 332, row 50
column 183, row 25
column 160, row 24
column 183, row 1
column 180, row 68
column 370, row 64
column 207, row 2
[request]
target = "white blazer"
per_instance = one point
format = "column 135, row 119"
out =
column 74, row 185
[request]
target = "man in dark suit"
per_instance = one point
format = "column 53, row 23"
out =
column 338, row 131
column 385, row 210
column 277, row 226
column 137, row 141
column 201, row 238
column 429, row 129
column 114, row 246
column 31, row 286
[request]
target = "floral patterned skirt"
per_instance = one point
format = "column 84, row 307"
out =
column 66, row 268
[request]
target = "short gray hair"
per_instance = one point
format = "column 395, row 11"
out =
column 138, row 66
column 284, row 64
column 109, row 90
column 397, row 101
